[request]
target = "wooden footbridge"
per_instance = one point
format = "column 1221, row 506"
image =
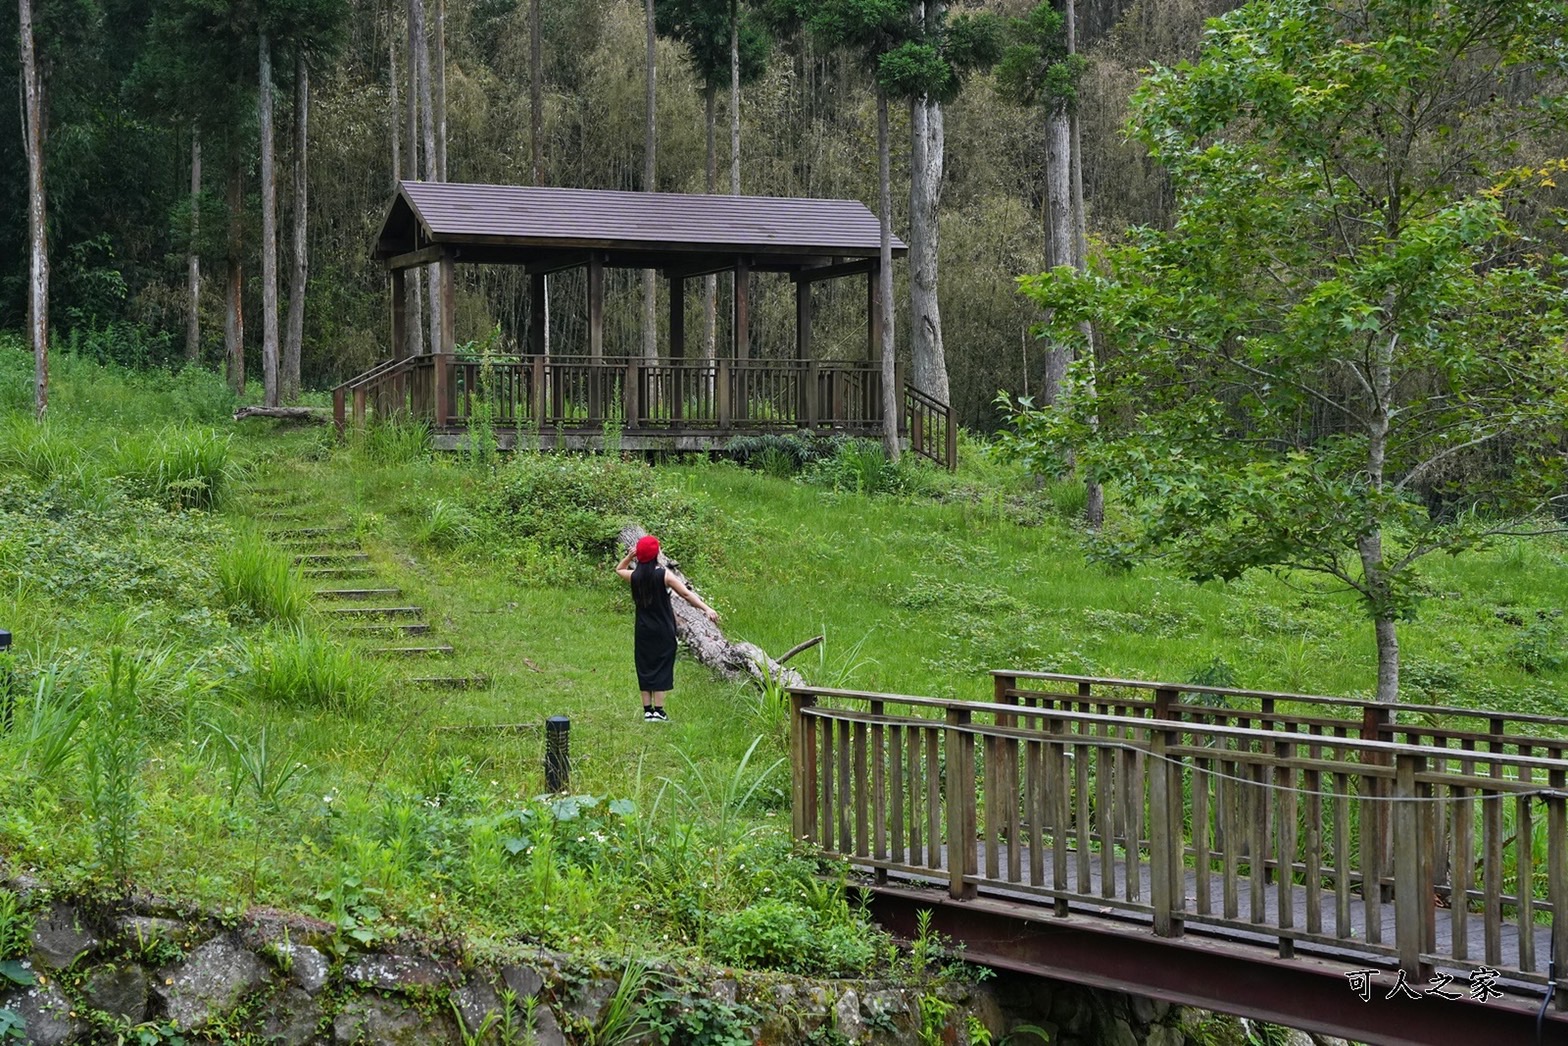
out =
column 1314, row 862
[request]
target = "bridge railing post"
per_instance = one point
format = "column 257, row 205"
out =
column 1557, row 874
column 1167, row 880
column 959, row 796
column 803, row 761
column 1414, row 929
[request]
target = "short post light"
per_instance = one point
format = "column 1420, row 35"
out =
column 7, row 683
column 557, row 753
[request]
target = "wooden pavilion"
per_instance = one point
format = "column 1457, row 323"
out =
column 673, row 401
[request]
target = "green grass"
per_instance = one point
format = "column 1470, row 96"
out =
column 386, row 806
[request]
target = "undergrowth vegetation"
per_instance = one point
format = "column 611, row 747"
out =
column 184, row 722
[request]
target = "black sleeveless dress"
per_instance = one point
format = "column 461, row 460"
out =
column 653, row 647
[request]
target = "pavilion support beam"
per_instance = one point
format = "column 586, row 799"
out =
column 596, row 305
column 817, row 273
column 809, row 379
column 742, row 308
column 448, row 271
column 874, row 313
column 677, row 317
column 399, row 314
column 423, row 256
column 538, row 289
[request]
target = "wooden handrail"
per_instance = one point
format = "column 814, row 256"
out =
column 1263, row 832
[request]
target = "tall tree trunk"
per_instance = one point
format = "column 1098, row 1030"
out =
column 269, row 232
column 234, row 284
column 710, row 282
column 890, row 391
column 420, row 65
column 650, row 283
column 734, row 98
column 38, row 245
column 1380, row 377
column 438, row 90
column 535, row 92
column 415, row 283
column 1094, row 494
column 193, row 259
column 927, row 144
column 294, row 335
column 1058, row 232
column 396, row 120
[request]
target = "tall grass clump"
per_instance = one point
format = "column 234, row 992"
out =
column 180, row 468
column 256, row 576
column 40, row 450
column 299, row 668
column 395, row 440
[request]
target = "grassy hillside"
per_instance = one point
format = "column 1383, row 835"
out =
column 239, row 749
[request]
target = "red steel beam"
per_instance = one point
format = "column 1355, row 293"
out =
column 1224, row 976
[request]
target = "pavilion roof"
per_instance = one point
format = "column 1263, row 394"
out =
column 527, row 223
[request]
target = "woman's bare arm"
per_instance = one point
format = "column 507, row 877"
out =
column 624, row 567
column 680, row 589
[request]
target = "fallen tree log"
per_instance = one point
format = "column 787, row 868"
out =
column 315, row 415
column 706, row 640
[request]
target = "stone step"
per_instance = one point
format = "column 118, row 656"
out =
column 414, row 651
column 416, row 628
column 326, row 558
column 306, row 532
column 353, row 612
column 323, row 573
column 450, row 682
column 357, row 593
column 320, row 544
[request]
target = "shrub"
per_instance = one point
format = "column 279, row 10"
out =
column 578, row 505
column 782, row 454
column 394, row 441
column 41, row 451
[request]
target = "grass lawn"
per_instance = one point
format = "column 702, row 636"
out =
column 417, row 807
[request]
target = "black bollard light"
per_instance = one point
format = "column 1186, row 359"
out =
column 7, row 683
column 557, row 753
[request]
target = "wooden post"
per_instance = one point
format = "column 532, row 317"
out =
column 399, row 313
column 448, row 269
column 1412, row 897
column 442, row 388
column 677, row 317
column 596, row 305
column 1557, row 874
column 538, row 291
column 630, row 400
column 537, row 397
column 959, row 796
column 742, row 308
column 1001, row 684
column 803, row 320
column 721, row 393
column 339, row 419
column 900, row 398
column 359, row 408
column 813, row 380
column 952, row 439
column 803, row 758
column 874, row 312
column 1166, row 881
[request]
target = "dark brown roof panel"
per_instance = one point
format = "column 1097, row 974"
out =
column 455, row 212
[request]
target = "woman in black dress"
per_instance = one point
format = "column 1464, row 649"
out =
column 653, row 648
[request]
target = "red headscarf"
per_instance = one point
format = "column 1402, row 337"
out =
column 647, row 548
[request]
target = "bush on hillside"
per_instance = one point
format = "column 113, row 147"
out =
column 578, row 506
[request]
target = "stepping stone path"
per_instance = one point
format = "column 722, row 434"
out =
column 332, row 553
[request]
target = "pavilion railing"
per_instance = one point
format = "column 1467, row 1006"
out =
column 674, row 395
column 1272, row 835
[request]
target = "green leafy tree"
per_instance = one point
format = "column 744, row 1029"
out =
column 1346, row 354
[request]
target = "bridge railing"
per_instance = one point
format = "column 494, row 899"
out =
column 1269, row 835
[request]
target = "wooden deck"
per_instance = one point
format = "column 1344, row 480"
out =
column 1282, row 830
column 562, row 402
